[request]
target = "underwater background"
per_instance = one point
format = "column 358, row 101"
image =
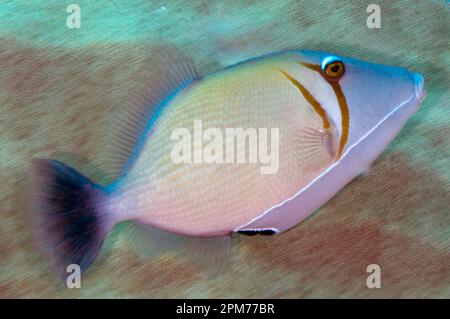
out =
column 59, row 88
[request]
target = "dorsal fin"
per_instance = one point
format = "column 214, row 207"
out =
column 168, row 73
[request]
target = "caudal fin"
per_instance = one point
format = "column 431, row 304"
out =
column 65, row 211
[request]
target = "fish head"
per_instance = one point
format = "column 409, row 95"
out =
column 367, row 104
column 360, row 97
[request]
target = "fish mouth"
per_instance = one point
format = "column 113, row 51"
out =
column 419, row 87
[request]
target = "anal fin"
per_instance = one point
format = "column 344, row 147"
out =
column 149, row 242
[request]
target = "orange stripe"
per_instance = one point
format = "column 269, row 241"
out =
column 345, row 114
column 345, row 121
column 314, row 67
column 314, row 103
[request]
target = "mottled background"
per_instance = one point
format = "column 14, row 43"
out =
column 59, row 88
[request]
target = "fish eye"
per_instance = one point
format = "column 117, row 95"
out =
column 333, row 68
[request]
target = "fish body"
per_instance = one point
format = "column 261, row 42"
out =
column 309, row 123
column 207, row 199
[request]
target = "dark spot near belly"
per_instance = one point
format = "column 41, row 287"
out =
column 267, row 232
column 253, row 232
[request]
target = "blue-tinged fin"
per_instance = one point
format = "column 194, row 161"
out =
column 275, row 54
column 168, row 73
column 149, row 242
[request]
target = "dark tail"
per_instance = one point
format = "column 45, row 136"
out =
column 66, row 215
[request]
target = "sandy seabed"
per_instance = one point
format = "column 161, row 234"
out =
column 59, row 87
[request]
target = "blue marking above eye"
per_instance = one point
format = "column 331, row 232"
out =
column 329, row 59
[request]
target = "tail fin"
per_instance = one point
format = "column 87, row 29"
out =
column 65, row 214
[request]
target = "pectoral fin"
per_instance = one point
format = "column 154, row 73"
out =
column 316, row 147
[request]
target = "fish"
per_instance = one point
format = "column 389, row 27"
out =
column 329, row 118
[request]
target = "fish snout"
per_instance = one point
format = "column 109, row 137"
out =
column 419, row 87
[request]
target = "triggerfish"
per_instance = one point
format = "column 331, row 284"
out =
column 252, row 149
